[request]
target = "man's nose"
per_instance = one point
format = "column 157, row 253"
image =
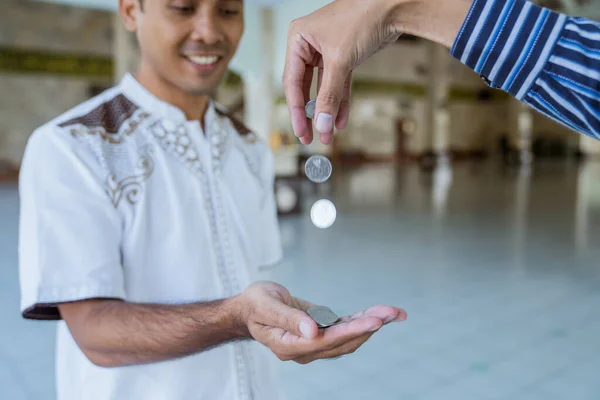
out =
column 207, row 28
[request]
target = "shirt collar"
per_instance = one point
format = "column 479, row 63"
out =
column 142, row 97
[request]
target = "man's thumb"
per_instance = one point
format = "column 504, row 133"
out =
column 294, row 321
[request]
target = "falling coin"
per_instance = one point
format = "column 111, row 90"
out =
column 310, row 108
column 318, row 168
column 323, row 316
column 323, row 214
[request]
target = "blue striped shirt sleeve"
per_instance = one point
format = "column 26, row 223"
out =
column 548, row 60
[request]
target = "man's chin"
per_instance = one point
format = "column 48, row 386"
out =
column 203, row 88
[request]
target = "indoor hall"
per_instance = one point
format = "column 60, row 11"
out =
column 472, row 212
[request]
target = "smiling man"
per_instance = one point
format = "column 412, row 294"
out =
column 145, row 215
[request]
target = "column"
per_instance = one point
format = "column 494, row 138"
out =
column 588, row 146
column 521, row 128
column 438, row 135
column 520, row 212
column 259, row 91
column 521, row 123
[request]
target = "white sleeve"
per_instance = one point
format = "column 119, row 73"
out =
column 70, row 233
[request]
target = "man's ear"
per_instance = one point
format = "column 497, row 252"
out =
column 129, row 10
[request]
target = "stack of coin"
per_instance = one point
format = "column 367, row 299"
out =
column 323, row 316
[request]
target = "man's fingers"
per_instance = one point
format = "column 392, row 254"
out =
column 308, row 138
column 295, row 76
column 329, row 99
column 345, row 349
column 349, row 329
column 326, row 339
column 340, row 339
column 291, row 320
column 319, row 79
column 303, row 304
column 291, row 347
column 344, row 114
column 307, row 84
column 386, row 313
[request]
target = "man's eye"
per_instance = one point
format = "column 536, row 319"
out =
column 185, row 10
column 229, row 12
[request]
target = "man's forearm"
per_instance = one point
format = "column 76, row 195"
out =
column 436, row 20
column 115, row 333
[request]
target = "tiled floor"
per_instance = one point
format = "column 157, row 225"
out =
column 498, row 270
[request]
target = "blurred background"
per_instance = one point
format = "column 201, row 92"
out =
column 474, row 213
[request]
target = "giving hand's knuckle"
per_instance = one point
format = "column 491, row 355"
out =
column 329, row 98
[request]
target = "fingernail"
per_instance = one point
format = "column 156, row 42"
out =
column 324, row 123
column 297, row 131
column 389, row 319
column 375, row 328
column 305, row 329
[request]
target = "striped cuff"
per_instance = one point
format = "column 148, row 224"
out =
column 508, row 42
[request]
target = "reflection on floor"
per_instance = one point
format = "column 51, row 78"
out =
column 498, row 270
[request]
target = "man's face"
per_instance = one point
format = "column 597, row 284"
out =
column 187, row 43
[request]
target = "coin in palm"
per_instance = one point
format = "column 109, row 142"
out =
column 323, row 316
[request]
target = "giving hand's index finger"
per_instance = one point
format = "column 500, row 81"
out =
column 295, row 78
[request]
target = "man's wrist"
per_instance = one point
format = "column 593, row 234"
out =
column 237, row 310
column 403, row 16
column 436, row 20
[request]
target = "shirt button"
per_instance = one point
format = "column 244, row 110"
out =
column 191, row 154
column 489, row 82
column 169, row 125
column 184, row 140
column 171, row 138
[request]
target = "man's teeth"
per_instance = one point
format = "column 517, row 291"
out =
column 204, row 60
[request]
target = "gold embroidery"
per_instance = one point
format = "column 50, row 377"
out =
column 131, row 187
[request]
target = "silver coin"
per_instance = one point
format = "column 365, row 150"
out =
column 310, row 108
column 323, row 214
column 323, row 316
column 318, row 168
